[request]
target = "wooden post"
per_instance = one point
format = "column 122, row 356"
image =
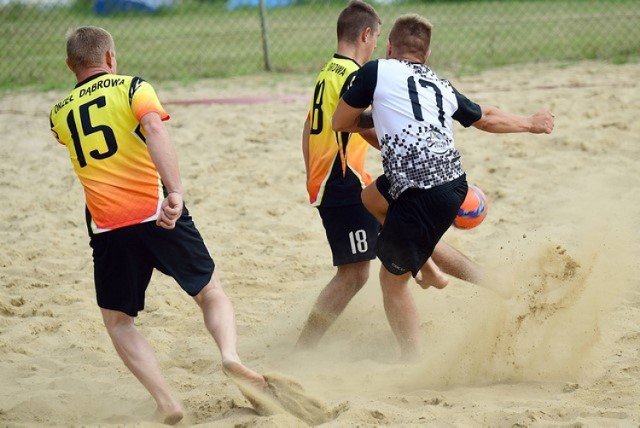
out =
column 265, row 35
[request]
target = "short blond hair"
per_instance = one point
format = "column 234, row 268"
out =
column 411, row 34
column 86, row 47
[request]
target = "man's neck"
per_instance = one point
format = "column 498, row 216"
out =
column 410, row 58
column 91, row 71
column 354, row 52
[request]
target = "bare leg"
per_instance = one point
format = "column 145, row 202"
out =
column 219, row 318
column 333, row 299
column 456, row 264
column 430, row 275
column 401, row 311
column 447, row 258
column 141, row 360
column 374, row 202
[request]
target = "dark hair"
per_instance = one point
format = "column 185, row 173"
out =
column 353, row 20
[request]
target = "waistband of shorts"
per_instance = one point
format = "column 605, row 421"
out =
column 441, row 188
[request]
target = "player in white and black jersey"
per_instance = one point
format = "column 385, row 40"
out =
column 415, row 133
column 413, row 112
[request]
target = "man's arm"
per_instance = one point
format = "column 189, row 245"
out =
column 165, row 159
column 348, row 119
column 363, row 123
column 498, row 121
column 371, row 137
column 305, row 145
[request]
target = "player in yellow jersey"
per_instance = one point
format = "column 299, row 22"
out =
column 121, row 152
column 336, row 176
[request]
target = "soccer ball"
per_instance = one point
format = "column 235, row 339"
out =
column 473, row 210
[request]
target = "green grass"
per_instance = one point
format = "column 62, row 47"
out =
column 202, row 39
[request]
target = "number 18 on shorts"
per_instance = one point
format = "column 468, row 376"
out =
column 352, row 233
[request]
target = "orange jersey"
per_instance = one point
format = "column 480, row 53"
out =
column 336, row 159
column 99, row 122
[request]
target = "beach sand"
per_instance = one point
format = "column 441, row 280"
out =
column 553, row 340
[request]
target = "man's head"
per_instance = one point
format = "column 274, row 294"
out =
column 359, row 23
column 410, row 38
column 90, row 47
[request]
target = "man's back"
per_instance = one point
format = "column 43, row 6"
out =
column 99, row 123
column 413, row 111
column 336, row 160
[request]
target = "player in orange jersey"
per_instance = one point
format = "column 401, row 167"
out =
column 121, row 152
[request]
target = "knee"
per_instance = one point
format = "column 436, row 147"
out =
column 361, row 277
column 393, row 285
column 209, row 292
column 356, row 274
column 387, row 290
column 115, row 320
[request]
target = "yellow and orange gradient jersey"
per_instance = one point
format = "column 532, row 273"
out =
column 99, row 122
column 336, row 159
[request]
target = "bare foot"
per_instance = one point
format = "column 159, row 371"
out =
column 238, row 371
column 254, row 388
column 409, row 352
column 410, row 356
column 168, row 416
column 430, row 275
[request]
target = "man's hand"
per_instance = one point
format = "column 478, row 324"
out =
column 542, row 122
column 170, row 211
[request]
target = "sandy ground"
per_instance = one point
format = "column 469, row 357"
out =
column 553, row 341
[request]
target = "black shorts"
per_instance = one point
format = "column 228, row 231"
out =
column 383, row 186
column 124, row 259
column 352, row 233
column 415, row 223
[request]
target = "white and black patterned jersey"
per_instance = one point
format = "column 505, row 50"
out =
column 413, row 112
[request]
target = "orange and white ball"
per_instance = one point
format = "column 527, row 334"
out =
column 473, row 210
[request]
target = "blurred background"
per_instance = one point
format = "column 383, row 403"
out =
column 186, row 40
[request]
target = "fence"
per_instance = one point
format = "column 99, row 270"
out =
column 192, row 39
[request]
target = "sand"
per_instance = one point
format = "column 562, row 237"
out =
column 552, row 341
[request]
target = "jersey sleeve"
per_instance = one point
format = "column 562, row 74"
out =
column 144, row 100
column 468, row 112
column 347, row 82
column 53, row 132
column 360, row 94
